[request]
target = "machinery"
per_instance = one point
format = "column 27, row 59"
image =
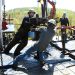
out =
column 39, row 21
column 44, row 8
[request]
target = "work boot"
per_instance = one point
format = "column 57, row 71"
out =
column 42, row 63
column 14, row 66
column 16, row 54
column 1, row 49
column 6, row 52
column 36, row 57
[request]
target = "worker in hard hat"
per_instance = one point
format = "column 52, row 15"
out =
column 64, row 22
column 21, row 37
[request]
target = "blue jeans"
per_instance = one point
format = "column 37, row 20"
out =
column 27, row 53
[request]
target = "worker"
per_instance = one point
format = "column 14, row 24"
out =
column 64, row 22
column 21, row 37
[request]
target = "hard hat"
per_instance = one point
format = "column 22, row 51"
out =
column 52, row 21
column 31, row 11
column 64, row 14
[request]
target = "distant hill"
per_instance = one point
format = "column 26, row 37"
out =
column 18, row 14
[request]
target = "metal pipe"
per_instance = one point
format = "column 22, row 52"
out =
column 1, row 41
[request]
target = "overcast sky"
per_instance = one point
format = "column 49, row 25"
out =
column 11, row 4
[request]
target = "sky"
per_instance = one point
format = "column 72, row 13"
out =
column 64, row 4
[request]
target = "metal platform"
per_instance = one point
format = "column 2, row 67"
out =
column 25, row 68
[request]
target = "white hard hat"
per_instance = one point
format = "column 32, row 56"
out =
column 52, row 21
column 31, row 10
column 64, row 12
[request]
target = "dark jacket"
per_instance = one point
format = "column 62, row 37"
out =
column 25, row 24
column 64, row 21
column 24, row 28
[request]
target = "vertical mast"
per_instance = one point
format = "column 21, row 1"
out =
column 43, row 8
column 1, row 39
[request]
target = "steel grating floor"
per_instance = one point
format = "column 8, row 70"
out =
column 65, row 68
